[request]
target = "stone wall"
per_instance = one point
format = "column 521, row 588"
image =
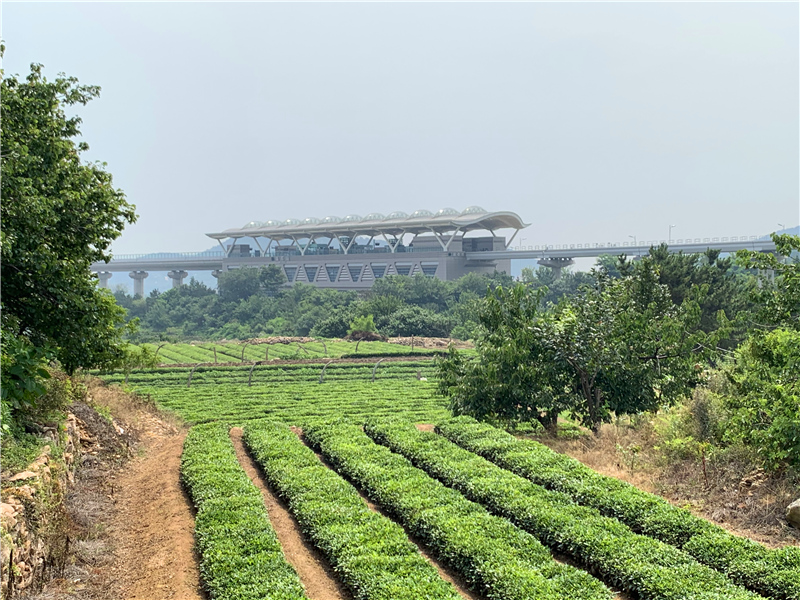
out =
column 25, row 555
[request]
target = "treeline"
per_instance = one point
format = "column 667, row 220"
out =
column 254, row 303
column 642, row 336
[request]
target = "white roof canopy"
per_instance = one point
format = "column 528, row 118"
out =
column 395, row 224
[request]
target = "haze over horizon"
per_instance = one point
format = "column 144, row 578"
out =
column 593, row 122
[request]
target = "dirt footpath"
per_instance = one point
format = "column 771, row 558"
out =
column 131, row 524
column 153, row 525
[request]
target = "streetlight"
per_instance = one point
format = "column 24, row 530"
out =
column 782, row 226
column 520, row 242
column 669, row 237
column 633, row 237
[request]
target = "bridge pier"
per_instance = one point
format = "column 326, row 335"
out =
column 556, row 263
column 138, row 282
column 104, row 276
column 177, row 277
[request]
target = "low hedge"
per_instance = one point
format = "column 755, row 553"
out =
column 638, row 564
column 494, row 556
column 773, row 573
column 369, row 552
column 240, row 556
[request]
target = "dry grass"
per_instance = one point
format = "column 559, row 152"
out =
column 732, row 492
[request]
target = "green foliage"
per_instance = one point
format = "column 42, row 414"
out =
column 291, row 393
column 238, row 284
column 619, row 347
column 59, row 215
column 414, row 320
column 362, row 324
column 516, row 376
column 764, row 399
column 24, row 377
column 775, row 573
column 235, row 540
column 371, row 553
column 640, row 565
column 778, row 294
column 496, row 558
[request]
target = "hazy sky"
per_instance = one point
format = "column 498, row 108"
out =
column 592, row 121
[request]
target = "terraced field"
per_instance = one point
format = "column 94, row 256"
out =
column 292, row 392
column 465, row 511
column 501, row 534
column 227, row 352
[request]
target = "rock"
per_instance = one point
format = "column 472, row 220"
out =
column 22, row 476
column 793, row 513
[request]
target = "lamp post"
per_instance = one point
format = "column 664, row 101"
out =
column 633, row 237
column 669, row 237
column 782, row 226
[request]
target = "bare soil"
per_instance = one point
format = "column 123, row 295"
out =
column 131, row 524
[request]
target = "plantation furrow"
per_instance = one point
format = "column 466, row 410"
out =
column 240, row 556
column 638, row 564
column 370, row 553
column 774, row 573
column 445, row 571
column 494, row 556
column 314, row 571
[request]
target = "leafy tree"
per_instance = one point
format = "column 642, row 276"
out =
column 362, row 327
column 778, row 294
column 59, row 216
column 413, row 320
column 272, row 278
column 238, row 284
column 516, row 376
column 765, row 397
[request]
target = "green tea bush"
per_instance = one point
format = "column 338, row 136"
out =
column 638, row 564
column 369, row 552
column 497, row 558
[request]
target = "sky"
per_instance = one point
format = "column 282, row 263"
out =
column 594, row 122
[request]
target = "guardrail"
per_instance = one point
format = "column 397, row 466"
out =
column 639, row 244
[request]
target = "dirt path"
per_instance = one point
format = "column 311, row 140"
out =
column 131, row 524
column 154, row 525
column 313, row 569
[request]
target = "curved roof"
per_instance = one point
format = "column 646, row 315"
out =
column 396, row 223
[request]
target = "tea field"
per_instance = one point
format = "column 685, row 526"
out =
column 292, row 392
column 504, row 535
column 509, row 517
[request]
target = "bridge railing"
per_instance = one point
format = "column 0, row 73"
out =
column 638, row 244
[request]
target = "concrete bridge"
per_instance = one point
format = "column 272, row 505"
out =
column 360, row 267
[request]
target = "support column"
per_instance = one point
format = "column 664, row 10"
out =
column 104, row 276
column 138, row 282
column 177, row 277
column 556, row 264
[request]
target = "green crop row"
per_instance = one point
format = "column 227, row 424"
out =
column 649, row 568
column 493, row 555
column 232, row 351
column 295, row 402
column 369, row 552
column 775, row 573
column 240, row 556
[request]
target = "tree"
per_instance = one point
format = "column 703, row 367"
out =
column 238, row 284
column 778, row 295
column 272, row 278
column 59, row 215
column 515, row 376
column 618, row 347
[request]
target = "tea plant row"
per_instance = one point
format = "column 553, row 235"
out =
column 369, row 552
column 240, row 556
column 489, row 552
column 775, row 573
column 293, row 403
column 638, row 564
